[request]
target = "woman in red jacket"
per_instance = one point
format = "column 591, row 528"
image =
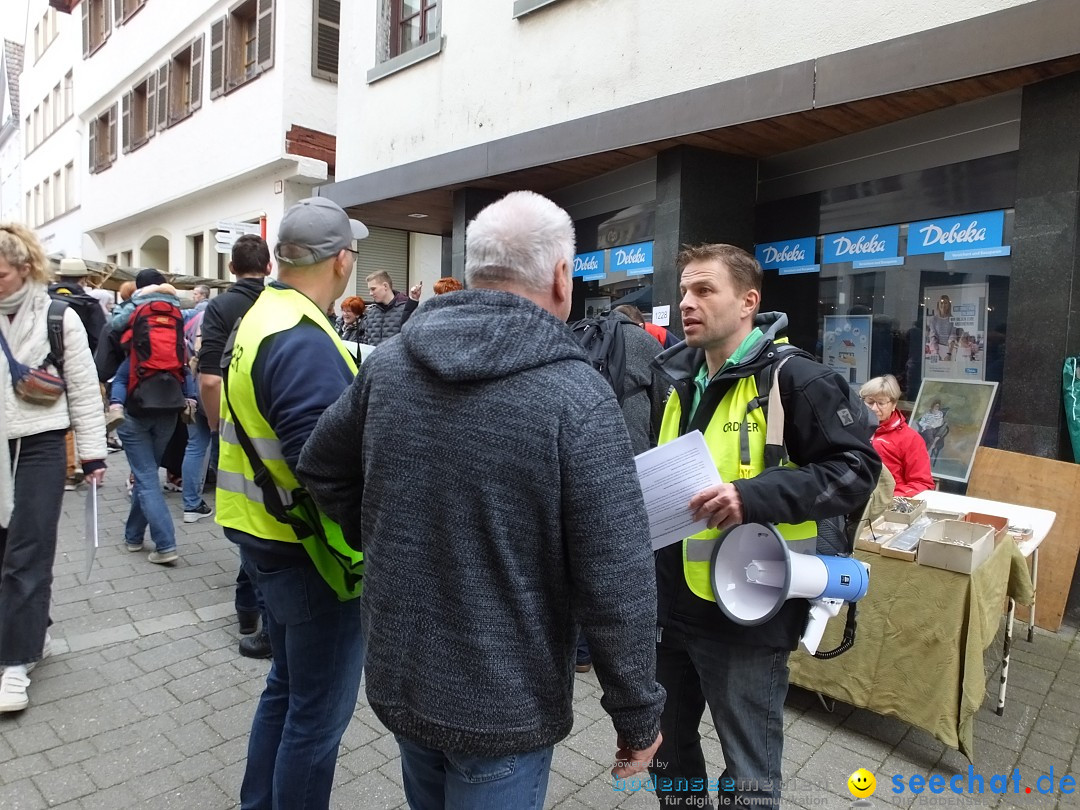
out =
column 902, row 450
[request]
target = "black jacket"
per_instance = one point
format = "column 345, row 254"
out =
column 383, row 321
column 221, row 316
column 836, row 473
column 85, row 306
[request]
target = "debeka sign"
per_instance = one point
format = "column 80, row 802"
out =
column 790, row 256
column 972, row 236
column 589, row 266
column 635, row 260
column 873, row 247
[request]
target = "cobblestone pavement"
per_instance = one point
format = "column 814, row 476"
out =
column 146, row 703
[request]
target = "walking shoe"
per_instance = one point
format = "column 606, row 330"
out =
column 248, row 620
column 46, row 651
column 199, row 512
column 13, row 685
column 113, row 444
column 257, row 646
column 114, row 416
column 163, row 557
column 173, row 483
column 133, row 547
column 583, row 666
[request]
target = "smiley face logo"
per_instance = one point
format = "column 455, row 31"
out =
column 862, row 784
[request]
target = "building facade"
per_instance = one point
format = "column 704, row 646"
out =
column 787, row 132
column 11, row 59
column 197, row 115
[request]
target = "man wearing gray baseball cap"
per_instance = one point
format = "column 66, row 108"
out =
column 285, row 366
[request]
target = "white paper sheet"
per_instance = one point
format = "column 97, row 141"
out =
column 91, row 524
column 670, row 476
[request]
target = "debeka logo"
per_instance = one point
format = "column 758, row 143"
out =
column 863, row 245
column 784, row 254
column 956, row 235
column 630, row 257
column 586, row 265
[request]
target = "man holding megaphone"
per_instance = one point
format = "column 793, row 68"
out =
column 823, row 467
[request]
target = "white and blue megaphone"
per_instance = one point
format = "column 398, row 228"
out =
column 754, row 573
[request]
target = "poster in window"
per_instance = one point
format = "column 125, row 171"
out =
column 954, row 332
column 846, row 346
column 950, row 416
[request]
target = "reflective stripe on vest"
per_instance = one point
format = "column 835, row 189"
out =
column 239, row 498
column 736, row 440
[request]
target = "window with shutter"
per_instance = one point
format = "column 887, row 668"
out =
column 162, row 111
column 185, row 81
column 264, row 35
column 384, row 249
column 412, row 23
column 241, row 45
column 139, row 113
column 102, row 138
column 111, row 115
column 217, row 58
column 326, row 39
column 96, row 24
column 125, row 121
column 195, row 75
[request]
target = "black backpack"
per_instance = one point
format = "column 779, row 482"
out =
column 603, row 342
column 85, row 306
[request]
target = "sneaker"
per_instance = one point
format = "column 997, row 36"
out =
column 257, row 646
column 198, row 513
column 46, row 651
column 173, row 483
column 131, row 487
column 163, row 557
column 13, row 685
column 114, row 416
column 133, row 547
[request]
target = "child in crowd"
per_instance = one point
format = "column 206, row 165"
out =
column 119, row 322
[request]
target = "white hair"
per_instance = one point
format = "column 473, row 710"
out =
column 518, row 240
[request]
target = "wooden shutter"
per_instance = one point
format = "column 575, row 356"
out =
column 112, row 133
column 106, row 19
column 217, row 58
column 196, row 73
column 327, row 39
column 162, row 112
column 86, row 28
column 118, row 11
column 93, row 146
column 384, row 249
column 125, row 116
column 151, row 103
column 264, row 35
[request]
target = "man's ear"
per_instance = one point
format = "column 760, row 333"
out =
column 562, row 283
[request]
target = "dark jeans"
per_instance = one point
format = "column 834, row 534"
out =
column 28, row 545
column 311, row 691
column 248, row 599
column 745, row 689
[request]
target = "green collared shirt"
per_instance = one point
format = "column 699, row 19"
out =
column 702, row 380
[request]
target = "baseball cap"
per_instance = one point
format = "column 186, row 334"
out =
column 73, row 268
column 320, row 227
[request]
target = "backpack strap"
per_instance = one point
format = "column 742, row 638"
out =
column 56, row 335
column 768, row 398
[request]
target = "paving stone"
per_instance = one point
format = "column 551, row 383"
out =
column 21, row 795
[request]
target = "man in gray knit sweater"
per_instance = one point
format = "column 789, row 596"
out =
column 507, row 514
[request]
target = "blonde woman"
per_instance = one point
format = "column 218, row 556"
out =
column 32, row 460
column 902, row 450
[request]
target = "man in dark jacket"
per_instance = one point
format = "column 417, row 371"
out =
column 390, row 310
column 702, row 656
column 251, row 265
column 68, row 288
column 471, row 603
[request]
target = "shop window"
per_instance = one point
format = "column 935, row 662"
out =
column 96, row 25
column 138, row 110
column 103, row 141
column 123, row 9
column 325, row 39
column 180, row 84
column 241, row 45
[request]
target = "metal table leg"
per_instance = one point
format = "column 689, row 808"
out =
column 1034, row 593
column 1005, row 657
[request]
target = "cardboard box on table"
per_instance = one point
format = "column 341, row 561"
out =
column 956, row 545
column 999, row 524
column 876, row 533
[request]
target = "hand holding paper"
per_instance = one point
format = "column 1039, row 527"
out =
column 720, row 505
column 671, row 475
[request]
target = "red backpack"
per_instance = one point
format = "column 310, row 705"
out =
column 155, row 337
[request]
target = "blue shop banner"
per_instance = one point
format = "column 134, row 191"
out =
column 635, row 260
column 590, row 266
column 956, row 234
column 859, row 246
column 790, row 256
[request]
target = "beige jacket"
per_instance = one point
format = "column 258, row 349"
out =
column 81, row 407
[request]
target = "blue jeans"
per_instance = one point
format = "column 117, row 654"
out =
column 145, row 439
column 745, row 688
column 194, row 469
column 435, row 780
column 311, row 691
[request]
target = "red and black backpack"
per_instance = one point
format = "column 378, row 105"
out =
column 155, row 341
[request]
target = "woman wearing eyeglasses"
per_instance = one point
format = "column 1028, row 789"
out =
column 902, row 450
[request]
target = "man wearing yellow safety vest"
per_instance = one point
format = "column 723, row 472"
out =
column 284, row 368
column 702, row 656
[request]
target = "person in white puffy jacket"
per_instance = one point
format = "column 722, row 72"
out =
column 33, row 459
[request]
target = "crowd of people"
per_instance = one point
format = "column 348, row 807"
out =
column 525, row 550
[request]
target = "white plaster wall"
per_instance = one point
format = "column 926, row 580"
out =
column 11, row 192
column 425, row 262
column 497, row 76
